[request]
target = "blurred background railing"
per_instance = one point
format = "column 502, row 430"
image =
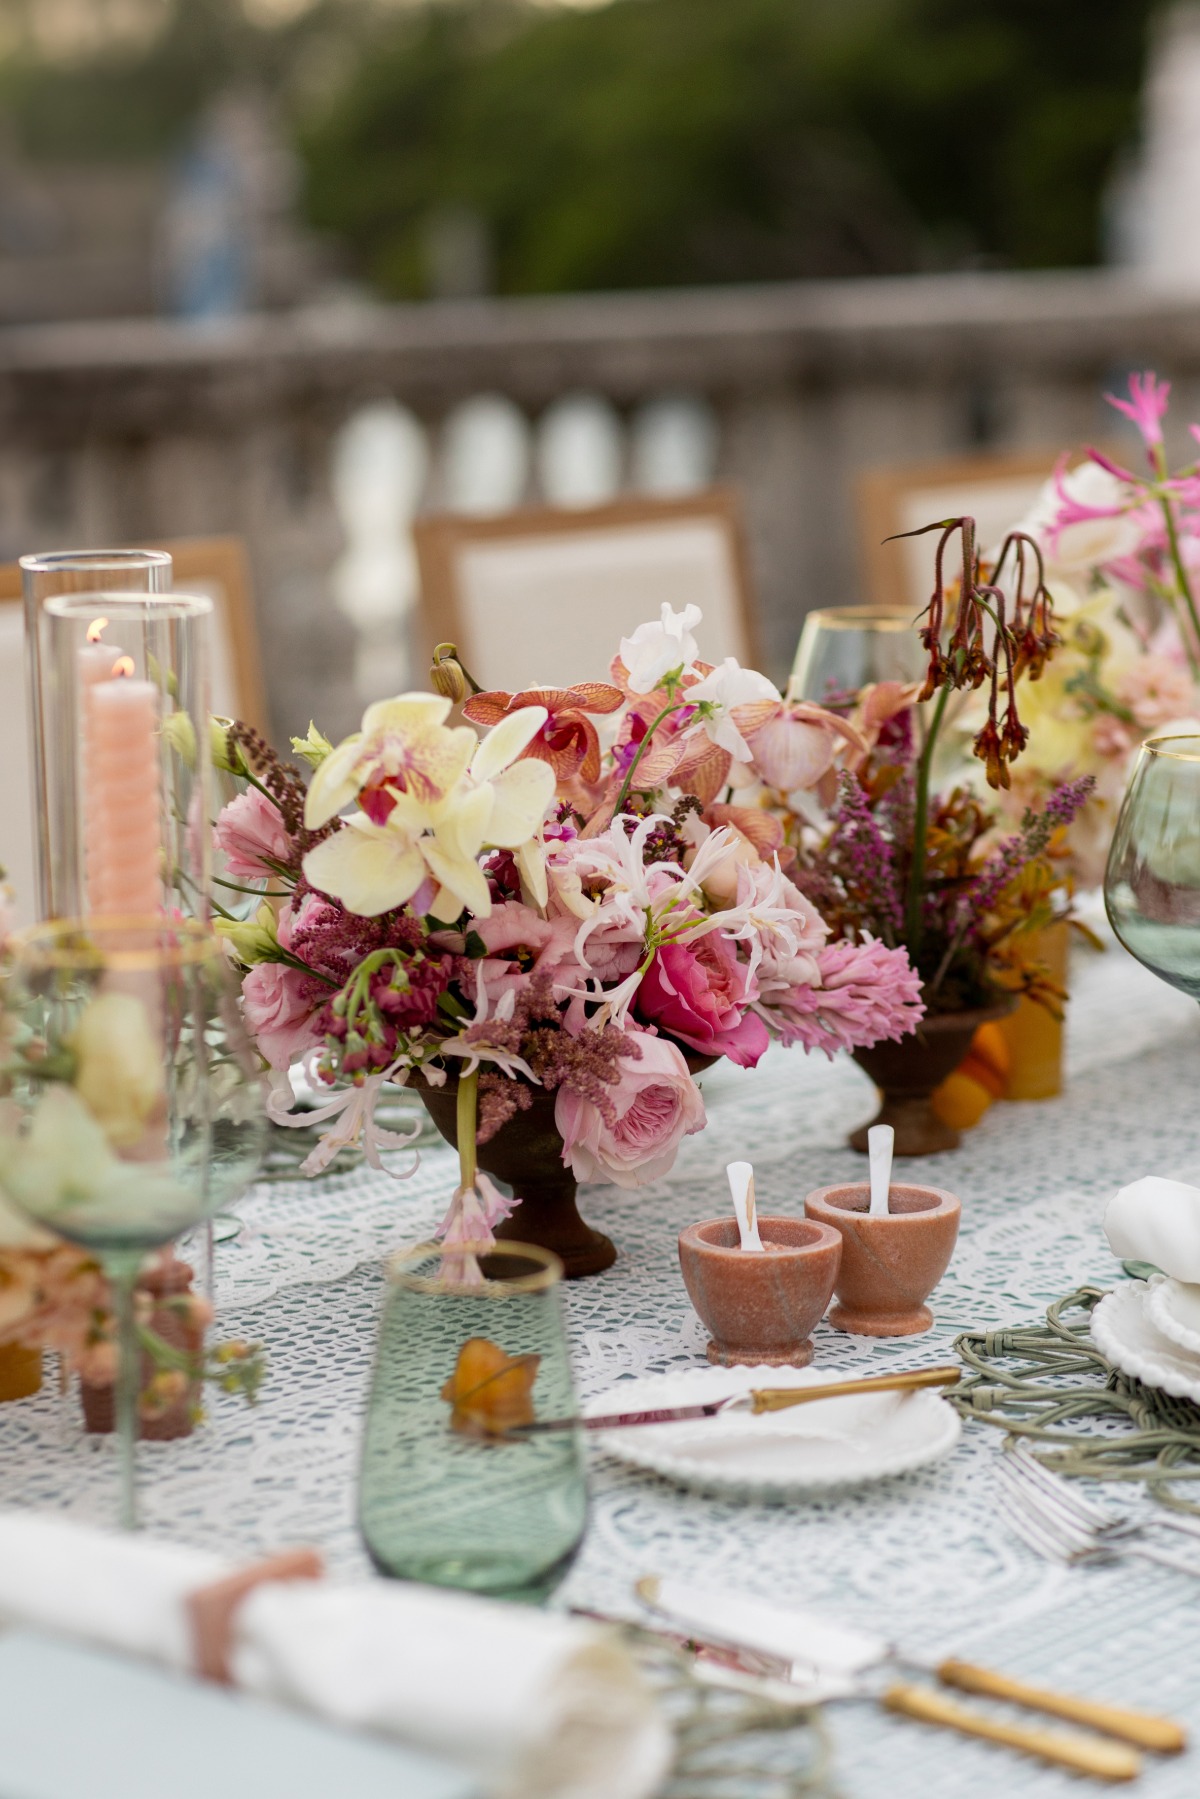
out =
column 318, row 434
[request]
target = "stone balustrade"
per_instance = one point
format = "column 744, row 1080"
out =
column 315, row 434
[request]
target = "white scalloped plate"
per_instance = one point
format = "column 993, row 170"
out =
column 831, row 1443
column 1125, row 1335
column 1173, row 1307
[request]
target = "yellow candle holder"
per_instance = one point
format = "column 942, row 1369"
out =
column 1034, row 1037
column 20, row 1371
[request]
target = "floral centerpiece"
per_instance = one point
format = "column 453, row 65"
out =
column 554, row 911
column 895, row 858
column 1121, row 552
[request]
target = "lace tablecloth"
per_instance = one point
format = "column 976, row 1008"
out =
column 926, row 1558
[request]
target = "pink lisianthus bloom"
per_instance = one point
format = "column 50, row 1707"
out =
column 1155, row 690
column 700, row 993
column 250, row 833
column 655, row 1104
column 865, row 993
column 280, row 1015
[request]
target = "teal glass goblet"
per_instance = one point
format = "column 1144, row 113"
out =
column 132, row 1106
column 449, row 1494
column 1152, row 883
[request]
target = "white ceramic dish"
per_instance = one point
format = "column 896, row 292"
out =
column 1125, row 1335
column 834, row 1443
column 1173, row 1307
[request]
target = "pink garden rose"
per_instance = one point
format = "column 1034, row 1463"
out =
column 700, row 992
column 656, row 1103
column 279, row 1015
column 251, row 834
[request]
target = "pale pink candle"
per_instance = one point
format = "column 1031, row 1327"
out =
column 123, row 829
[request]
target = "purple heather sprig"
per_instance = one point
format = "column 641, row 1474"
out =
column 1026, row 845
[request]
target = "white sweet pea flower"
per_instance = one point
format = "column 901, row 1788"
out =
column 727, row 687
column 656, row 648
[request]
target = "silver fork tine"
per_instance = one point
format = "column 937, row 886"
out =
column 1062, row 1540
column 1096, row 1516
column 1048, row 1502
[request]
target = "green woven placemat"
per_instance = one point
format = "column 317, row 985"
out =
column 1049, row 1384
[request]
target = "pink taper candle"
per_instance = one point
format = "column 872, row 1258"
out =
column 124, row 825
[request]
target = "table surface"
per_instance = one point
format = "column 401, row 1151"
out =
column 926, row 1559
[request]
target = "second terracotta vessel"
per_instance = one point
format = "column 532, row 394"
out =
column 760, row 1308
column 890, row 1264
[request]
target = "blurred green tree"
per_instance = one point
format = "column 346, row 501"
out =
column 654, row 142
column 643, row 142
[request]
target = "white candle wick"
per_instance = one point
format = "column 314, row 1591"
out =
column 741, row 1185
column 881, row 1144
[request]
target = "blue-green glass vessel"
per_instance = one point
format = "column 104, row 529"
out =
column 455, row 1506
column 1152, row 884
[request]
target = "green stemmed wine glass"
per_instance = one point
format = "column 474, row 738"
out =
column 1152, row 883
column 132, row 1108
column 450, row 1494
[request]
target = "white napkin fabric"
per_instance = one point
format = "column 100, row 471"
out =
column 1158, row 1221
column 536, row 1706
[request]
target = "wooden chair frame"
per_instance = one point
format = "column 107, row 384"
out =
column 440, row 536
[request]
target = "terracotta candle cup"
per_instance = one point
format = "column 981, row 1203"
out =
column 760, row 1308
column 890, row 1265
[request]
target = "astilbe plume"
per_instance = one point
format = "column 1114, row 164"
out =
column 587, row 1060
column 854, row 881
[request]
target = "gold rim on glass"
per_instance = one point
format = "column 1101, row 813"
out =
column 73, row 943
column 400, row 1269
column 856, row 618
column 1158, row 746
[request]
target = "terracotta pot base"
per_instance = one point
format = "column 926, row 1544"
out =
column 798, row 1357
column 875, row 1324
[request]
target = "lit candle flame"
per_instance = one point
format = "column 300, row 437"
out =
column 123, row 666
column 95, row 628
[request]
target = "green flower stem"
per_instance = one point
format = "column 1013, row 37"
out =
column 675, row 706
column 466, row 1125
column 1192, row 640
column 916, row 873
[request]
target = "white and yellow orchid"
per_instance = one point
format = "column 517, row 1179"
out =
column 432, row 801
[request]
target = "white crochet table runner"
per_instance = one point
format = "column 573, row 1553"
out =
column 926, row 1559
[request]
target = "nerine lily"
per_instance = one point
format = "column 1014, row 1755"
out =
column 431, row 799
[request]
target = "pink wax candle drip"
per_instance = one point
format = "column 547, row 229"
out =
column 123, row 823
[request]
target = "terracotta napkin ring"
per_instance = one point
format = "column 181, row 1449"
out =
column 212, row 1609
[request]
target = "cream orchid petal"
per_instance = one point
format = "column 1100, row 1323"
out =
column 522, row 796
column 504, row 743
column 404, row 713
column 368, row 867
column 461, row 877
column 334, row 784
column 531, row 865
column 464, row 820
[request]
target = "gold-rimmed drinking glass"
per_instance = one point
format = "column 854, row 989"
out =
column 1152, row 883
column 132, row 1107
column 469, row 1345
column 843, row 648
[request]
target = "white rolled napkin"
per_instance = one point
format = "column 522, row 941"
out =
column 1158, row 1221
column 536, row 1706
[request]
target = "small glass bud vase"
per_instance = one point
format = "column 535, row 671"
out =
column 43, row 577
column 124, row 708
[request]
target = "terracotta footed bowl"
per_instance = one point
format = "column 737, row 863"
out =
column 889, row 1265
column 760, row 1308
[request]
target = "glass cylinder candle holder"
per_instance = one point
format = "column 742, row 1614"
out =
column 125, row 708
column 43, row 577
column 843, row 648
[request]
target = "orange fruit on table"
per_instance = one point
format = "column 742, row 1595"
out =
column 962, row 1100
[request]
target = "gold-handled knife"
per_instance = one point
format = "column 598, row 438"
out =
column 757, row 1400
column 804, row 1648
